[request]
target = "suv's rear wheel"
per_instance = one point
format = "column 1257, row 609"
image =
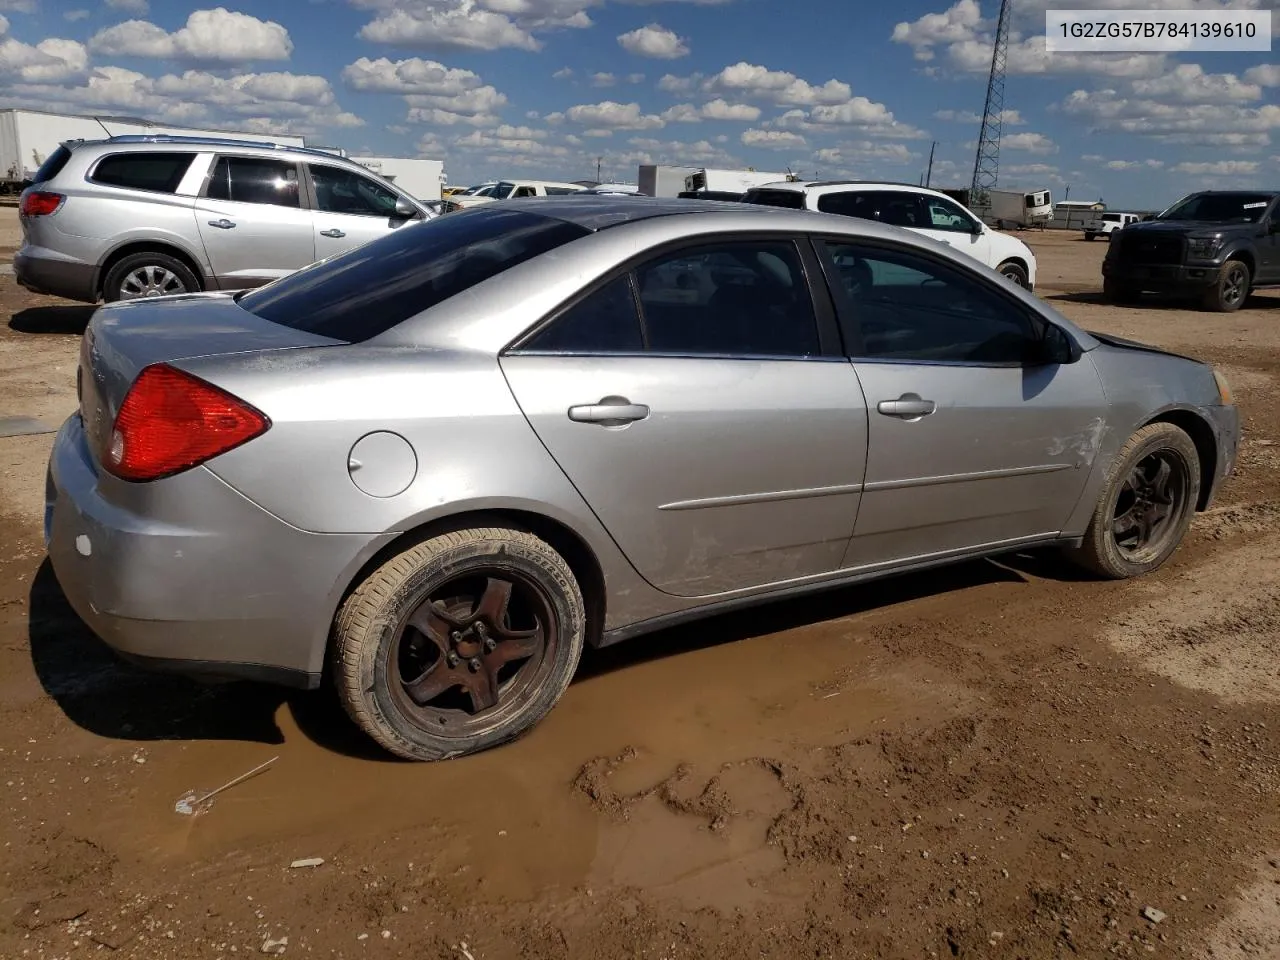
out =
column 1117, row 292
column 148, row 274
column 460, row 643
column 1231, row 288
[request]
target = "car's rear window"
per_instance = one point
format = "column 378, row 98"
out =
column 52, row 165
column 792, row 199
column 368, row 290
column 156, row 172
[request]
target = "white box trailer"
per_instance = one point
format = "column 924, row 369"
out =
column 730, row 181
column 419, row 178
column 657, row 180
column 1009, row 208
column 27, row 137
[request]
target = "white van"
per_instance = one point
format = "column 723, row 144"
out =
column 1108, row 222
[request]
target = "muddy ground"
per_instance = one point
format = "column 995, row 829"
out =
column 1003, row 759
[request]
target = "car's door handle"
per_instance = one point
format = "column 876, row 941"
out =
column 909, row 406
column 609, row 412
column 332, row 232
column 223, row 224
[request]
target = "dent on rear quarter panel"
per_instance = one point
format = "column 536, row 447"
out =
column 474, row 448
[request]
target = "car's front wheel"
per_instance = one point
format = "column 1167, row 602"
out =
column 148, row 274
column 1116, row 292
column 1146, row 505
column 460, row 643
column 1088, row 235
column 1015, row 272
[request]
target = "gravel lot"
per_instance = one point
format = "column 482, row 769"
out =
column 996, row 760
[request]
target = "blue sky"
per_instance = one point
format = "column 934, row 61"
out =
column 541, row 88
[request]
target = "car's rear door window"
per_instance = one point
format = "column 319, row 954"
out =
column 255, row 180
column 372, row 288
column 154, row 172
column 743, row 298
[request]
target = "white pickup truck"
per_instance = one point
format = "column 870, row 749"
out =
column 1105, row 223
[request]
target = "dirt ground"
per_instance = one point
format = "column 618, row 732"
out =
column 999, row 760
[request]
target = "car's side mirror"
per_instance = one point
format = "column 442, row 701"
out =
column 1275, row 226
column 976, row 228
column 1054, row 348
column 405, row 210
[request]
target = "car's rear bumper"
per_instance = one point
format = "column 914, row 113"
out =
column 1169, row 278
column 43, row 271
column 203, row 581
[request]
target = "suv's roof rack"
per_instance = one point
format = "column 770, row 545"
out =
column 219, row 142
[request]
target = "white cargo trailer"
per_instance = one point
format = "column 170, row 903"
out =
column 730, row 181
column 658, row 180
column 1009, row 208
column 420, row 178
column 27, row 137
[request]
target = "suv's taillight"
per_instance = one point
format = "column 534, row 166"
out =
column 41, row 204
column 171, row 421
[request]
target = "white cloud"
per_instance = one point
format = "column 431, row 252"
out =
column 682, row 113
column 654, row 41
column 698, row 153
column 18, row 6
column 502, row 141
column 564, row 73
column 719, row 109
column 635, row 78
column 863, row 151
column 754, row 81
column 859, row 112
column 953, row 25
column 50, row 61
column 138, row 7
column 1219, row 168
column 216, row 35
column 1030, row 142
column 599, row 132
column 75, row 16
column 670, row 83
column 1176, row 123
column 1008, row 118
column 477, row 106
column 464, row 26
column 617, row 116
column 1133, row 164
column 1188, row 83
column 772, row 139
column 408, row 76
column 603, row 79
column 1265, row 74
column 1030, row 170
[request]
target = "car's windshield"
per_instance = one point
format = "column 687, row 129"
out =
column 1219, row 208
column 479, row 188
column 368, row 290
column 502, row 191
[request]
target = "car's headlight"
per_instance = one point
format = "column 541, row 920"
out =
column 1203, row 248
column 1224, row 388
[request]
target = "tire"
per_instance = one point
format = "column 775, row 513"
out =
column 373, row 634
column 1102, row 552
column 137, row 274
column 1089, row 236
column 1014, row 272
column 1119, row 293
column 1231, row 288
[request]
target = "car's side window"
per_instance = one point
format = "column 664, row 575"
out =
column 733, row 298
column 910, row 307
column 848, row 203
column 155, row 172
column 900, row 208
column 524, row 192
column 604, row 322
column 342, row 191
column 255, row 180
column 946, row 215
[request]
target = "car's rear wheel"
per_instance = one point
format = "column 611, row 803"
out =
column 1014, row 272
column 1231, row 288
column 1146, row 505
column 1089, row 235
column 1116, row 292
column 460, row 643
column 148, row 274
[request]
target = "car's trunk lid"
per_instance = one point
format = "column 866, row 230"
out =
column 123, row 338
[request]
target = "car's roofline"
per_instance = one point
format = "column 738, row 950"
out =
column 804, row 186
column 145, row 141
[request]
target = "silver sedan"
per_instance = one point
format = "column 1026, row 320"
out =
column 445, row 461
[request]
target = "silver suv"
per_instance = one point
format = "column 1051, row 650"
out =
column 148, row 216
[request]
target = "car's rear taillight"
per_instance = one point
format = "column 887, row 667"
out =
column 41, row 204
column 171, row 421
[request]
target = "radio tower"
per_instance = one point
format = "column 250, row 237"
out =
column 986, row 167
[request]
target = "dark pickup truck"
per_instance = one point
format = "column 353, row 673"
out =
column 1216, row 245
